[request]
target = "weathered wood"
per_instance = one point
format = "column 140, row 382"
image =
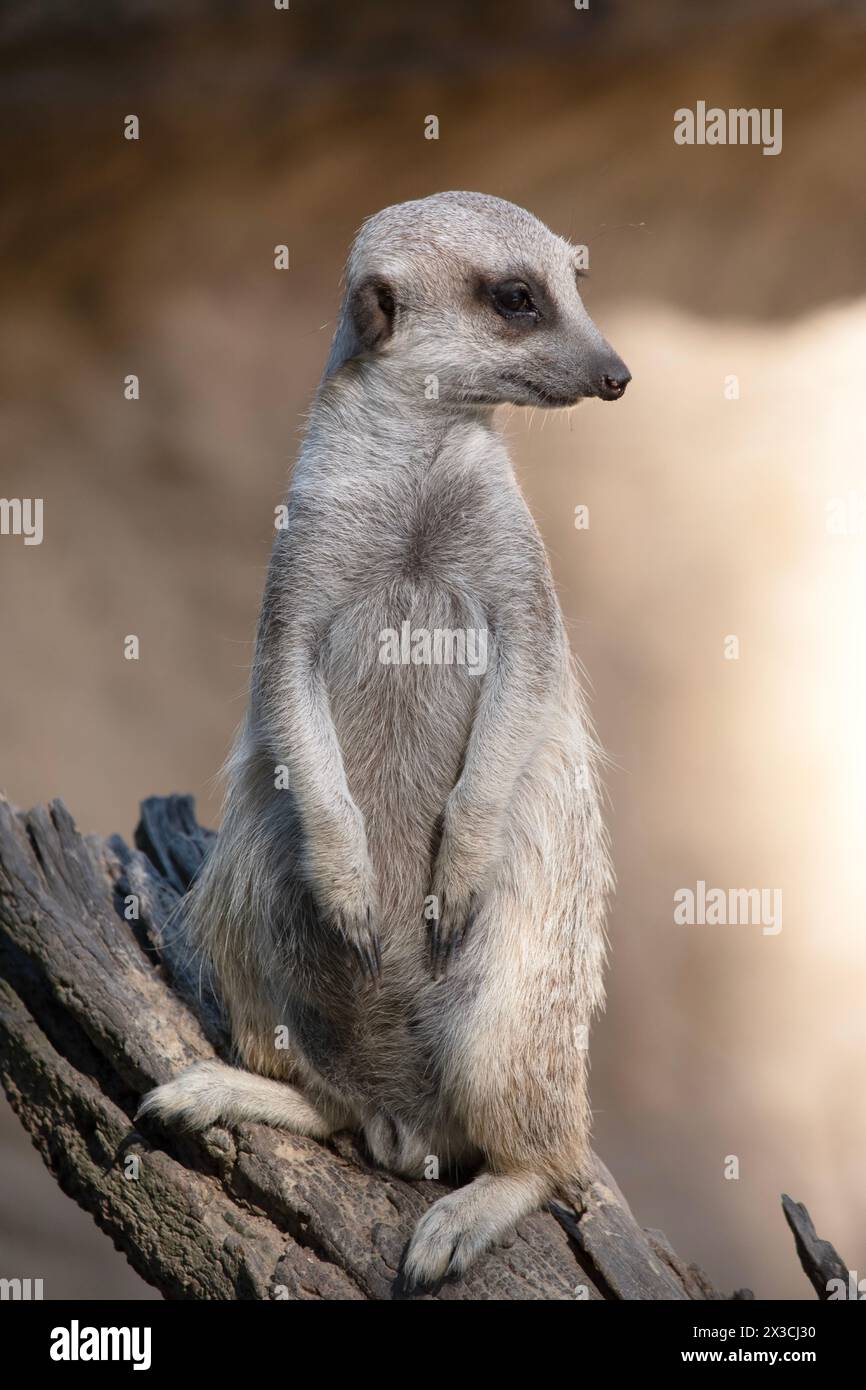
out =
column 95, row 1009
column 820, row 1261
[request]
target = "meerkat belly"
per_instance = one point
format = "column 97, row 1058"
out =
column 404, row 668
column 403, row 671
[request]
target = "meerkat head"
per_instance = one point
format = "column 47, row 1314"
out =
column 478, row 296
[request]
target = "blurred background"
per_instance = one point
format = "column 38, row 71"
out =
column 707, row 498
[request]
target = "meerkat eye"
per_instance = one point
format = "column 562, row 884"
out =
column 512, row 299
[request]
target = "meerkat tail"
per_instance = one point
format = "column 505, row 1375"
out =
column 210, row 1092
column 460, row 1227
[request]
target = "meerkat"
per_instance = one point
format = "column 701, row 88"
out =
column 410, row 879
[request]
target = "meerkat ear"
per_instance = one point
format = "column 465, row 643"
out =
column 366, row 322
column 372, row 309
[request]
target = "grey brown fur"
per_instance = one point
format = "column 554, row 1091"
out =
column 421, row 909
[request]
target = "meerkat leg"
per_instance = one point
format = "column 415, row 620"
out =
column 337, row 861
column 512, row 706
column 460, row 1227
column 211, row 1091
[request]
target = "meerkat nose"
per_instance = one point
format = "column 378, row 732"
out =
column 615, row 385
column 614, row 380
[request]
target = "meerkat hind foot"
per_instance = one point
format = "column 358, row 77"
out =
column 211, row 1092
column 460, row 1227
column 394, row 1145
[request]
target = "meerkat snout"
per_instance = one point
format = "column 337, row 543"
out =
column 469, row 299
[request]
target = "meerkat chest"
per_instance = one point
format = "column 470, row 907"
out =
column 453, row 530
column 408, row 630
column 404, row 666
column 410, row 561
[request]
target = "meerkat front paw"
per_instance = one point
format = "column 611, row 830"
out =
column 452, row 914
column 349, row 910
column 344, row 891
column 464, row 863
column 468, row 851
column 450, row 911
column 357, row 927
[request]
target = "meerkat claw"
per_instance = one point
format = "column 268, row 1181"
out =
column 446, row 938
column 458, row 941
column 366, row 948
